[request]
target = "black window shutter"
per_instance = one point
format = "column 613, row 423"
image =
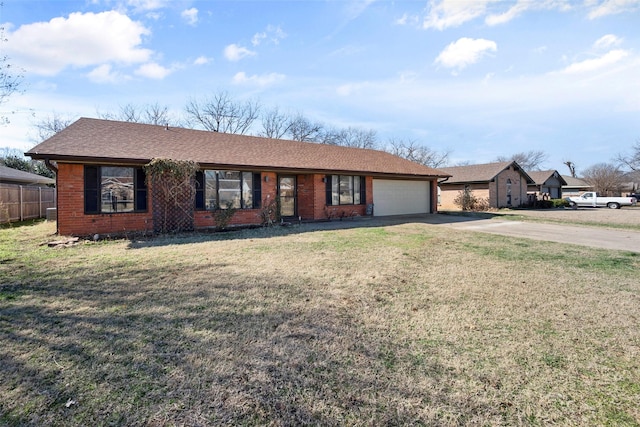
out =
column 200, row 190
column 141, row 190
column 257, row 190
column 363, row 190
column 91, row 189
column 329, row 198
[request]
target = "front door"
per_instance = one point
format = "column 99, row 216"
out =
column 287, row 195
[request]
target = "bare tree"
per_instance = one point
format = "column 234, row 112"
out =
column 303, row 129
column 572, row 167
column 153, row 114
column 415, row 152
column 275, row 124
column 530, row 160
column 10, row 78
column 220, row 113
column 632, row 160
column 606, row 178
column 50, row 125
column 351, row 137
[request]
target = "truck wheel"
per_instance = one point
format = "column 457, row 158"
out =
column 573, row 205
column 613, row 205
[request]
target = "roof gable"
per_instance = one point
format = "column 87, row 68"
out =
column 540, row 177
column 94, row 140
column 481, row 173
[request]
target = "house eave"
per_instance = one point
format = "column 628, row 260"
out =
column 245, row 167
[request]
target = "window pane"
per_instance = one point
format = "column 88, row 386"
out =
column 335, row 190
column 356, row 190
column 247, row 190
column 116, row 189
column 211, row 190
column 229, row 189
column 346, row 190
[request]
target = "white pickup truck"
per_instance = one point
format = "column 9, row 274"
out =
column 593, row 200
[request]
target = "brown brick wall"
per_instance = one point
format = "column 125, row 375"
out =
column 72, row 219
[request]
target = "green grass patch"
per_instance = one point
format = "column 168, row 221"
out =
column 399, row 325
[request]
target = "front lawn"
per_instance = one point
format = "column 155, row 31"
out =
column 409, row 324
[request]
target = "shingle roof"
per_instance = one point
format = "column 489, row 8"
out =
column 94, row 140
column 575, row 182
column 540, row 177
column 16, row 176
column 479, row 173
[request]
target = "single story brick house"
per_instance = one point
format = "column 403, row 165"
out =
column 102, row 186
column 503, row 184
column 548, row 185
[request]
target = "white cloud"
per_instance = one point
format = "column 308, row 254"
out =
column 190, row 16
column 104, row 74
column 453, row 13
column 146, row 5
column 80, row 40
column 603, row 61
column 153, row 70
column 606, row 42
column 464, row 52
column 516, row 10
column 201, row 60
column 234, row 53
column 612, row 7
column 272, row 34
column 241, row 78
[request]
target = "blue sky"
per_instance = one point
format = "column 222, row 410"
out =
column 480, row 78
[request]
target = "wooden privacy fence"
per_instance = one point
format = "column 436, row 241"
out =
column 22, row 202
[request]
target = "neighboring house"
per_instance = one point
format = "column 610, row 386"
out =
column 17, row 177
column 503, row 184
column 102, row 186
column 24, row 195
column 547, row 185
column 574, row 186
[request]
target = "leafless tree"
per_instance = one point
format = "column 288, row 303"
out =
column 632, row 160
column 50, row 125
column 606, row 178
column 153, row 114
column 351, row 137
column 303, row 129
column 275, row 124
column 10, row 78
column 572, row 167
column 220, row 113
column 529, row 161
column 415, row 152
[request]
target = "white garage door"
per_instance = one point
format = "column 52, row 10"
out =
column 392, row 197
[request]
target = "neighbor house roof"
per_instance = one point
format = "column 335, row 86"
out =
column 540, row 177
column 575, row 182
column 15, row 176
column 480, row 173
column 93, row 140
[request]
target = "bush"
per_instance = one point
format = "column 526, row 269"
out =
column 467, row 201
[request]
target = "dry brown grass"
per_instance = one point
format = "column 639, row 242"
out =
column 399, row 325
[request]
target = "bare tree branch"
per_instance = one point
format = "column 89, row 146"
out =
column 530, row 160
column 222, row 114
column 415, row 152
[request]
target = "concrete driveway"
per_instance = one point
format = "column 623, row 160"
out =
column 597, row 237
column 605, row 238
